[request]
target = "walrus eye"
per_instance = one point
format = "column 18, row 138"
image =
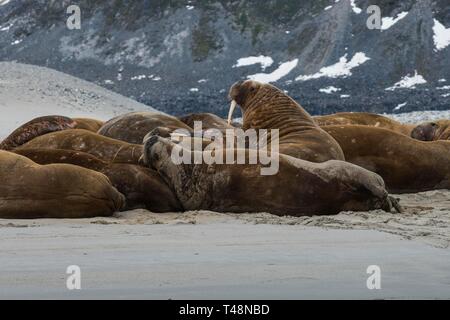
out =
column 433, row 124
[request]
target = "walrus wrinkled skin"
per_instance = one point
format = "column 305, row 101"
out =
column 142, row 187
column 267, row 107
column 35, row 128
column 208, row 120
column 88, row 124
column 104, row 148
column 300, row 187
column 132, row 127
column 432, row 131
column 31, row 191
column 405, row 164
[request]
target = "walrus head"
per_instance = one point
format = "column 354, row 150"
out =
column 425, row 131
column 242, row 93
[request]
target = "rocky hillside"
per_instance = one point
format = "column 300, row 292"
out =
column 181, row 56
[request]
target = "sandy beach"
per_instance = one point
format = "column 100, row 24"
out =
column 195, row 255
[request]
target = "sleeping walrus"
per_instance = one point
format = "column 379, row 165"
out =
column 30, row 191
column 299, row 188
column 104, row 148
column 142, row 187
column 406, row 165
column 35, row 128
column 267, row 107
column 365, row 119
column 133, row 127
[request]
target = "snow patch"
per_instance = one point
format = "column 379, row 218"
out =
column 444, row 88
column 442, row 80
column 190, row 7
column 408, row 82
column 401, row 105
column 441, row 35
column 283, row 70
column 202, row 80
column 3, row 2
column 388, row 22
column 193, row 90
column 328, row 8
column 329, row 90
column 354, row 7
column 264, row 61
column 139, row 77
column 345, row 96
column 340, row 69
column 16, row 42
column 445, row 95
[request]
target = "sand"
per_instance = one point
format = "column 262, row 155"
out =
column 195, row 255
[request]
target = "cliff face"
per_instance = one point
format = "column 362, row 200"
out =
column 182, row 56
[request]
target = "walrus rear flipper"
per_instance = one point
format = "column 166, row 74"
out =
column 395, row 204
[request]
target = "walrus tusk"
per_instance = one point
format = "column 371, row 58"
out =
column 230, row 113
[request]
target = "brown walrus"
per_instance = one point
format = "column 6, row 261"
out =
column 142, row 187
column 31, row 191
column 432, row 131
column 405, row 164
column 365, row 119
column 88, row 124
column 299, row 188
column 35, row 128
column 133, row 127
column 267, row 107
column 208, row 120
column 104, row 148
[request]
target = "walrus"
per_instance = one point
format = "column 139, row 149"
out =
column 132, row 127
column 88, row 124
column 142, row 187
column 35, row 128
column 299, row 188
column 208, row 120
column 405, row 164
column 30, row 191
column 365, row 119
column 432, row 131
column 267, row 107
column 102, row 147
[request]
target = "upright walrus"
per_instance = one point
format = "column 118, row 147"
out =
column 30, row 191
column 432, row 131
column 133, row 127
column 104, row 148
column 35, row 128
column 405, row 164
column 364, row 119
column 299, row 188
column 267, row 107
column 142, row 187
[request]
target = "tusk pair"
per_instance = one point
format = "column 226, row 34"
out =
column 230, row 113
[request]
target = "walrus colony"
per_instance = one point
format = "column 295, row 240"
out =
column 58, row 167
